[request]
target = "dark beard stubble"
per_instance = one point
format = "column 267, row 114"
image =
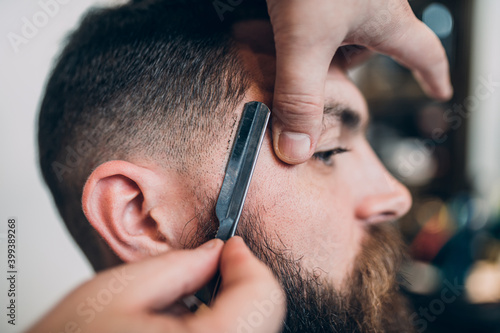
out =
column 370, row 300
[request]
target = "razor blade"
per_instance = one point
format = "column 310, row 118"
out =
column 240, row 168
column 239, row 171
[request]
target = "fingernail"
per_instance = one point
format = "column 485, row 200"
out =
column 210, row 244
column 294, row 146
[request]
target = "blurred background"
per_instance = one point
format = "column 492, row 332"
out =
column 448, row 154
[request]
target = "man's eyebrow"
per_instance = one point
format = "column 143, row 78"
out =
column 338, row 112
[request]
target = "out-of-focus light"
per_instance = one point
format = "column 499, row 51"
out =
column 427, row 210
column 480, row 214
column 472, row 212
column 483, row 283
column 421, row 278
column 412, row 162
column 439, row 19
column 437, row 229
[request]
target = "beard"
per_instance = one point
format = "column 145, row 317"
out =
column 370, row 300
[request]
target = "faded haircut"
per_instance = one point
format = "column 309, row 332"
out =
column 152, row 80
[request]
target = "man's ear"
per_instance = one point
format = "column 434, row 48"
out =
column 135, row 208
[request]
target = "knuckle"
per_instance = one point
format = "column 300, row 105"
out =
column 298, row 106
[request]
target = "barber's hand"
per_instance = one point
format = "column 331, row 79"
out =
column 140, row 297
column 307, row 35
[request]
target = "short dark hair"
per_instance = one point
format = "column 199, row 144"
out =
column 143, row 79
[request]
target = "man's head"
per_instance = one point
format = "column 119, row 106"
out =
column 142, row 109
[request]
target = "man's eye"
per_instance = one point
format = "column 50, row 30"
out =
column 327, row 156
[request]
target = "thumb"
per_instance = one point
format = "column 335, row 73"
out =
column 298, row 104
column 302, row 63
column 248, row 285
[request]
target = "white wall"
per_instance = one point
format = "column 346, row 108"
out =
column 484, row 139
column 49, row 263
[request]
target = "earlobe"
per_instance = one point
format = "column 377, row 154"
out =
column 117, row 200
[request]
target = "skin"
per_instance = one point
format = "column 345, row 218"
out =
column 307, row 36
column 148, row 288
column 318, row 210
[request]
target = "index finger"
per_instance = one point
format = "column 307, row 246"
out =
column 414, row 45
column 157, row 282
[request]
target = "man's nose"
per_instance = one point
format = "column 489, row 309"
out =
column 387, row 200
column 383, row 207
